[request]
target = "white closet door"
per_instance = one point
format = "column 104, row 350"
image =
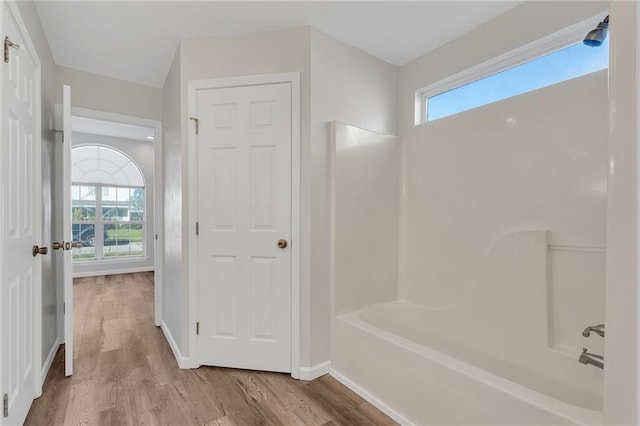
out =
column 244, row 172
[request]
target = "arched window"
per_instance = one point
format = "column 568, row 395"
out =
column 107, row 203
column 100, row 164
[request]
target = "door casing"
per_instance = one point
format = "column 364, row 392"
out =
column 158, row 196
column 194, row 86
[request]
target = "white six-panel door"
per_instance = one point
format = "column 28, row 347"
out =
column 65, row 192
column 244, row 210
column 64, row 238
column 20, row 229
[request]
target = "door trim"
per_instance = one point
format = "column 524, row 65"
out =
column 158, row 195
column 192, row 191
column 11, row 8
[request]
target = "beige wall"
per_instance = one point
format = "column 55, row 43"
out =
column 172, row 309
column 107, row 94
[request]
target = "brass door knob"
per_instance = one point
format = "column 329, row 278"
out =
column 39, row 250
column 76, row 244
column 57, row 246
column 282, row 244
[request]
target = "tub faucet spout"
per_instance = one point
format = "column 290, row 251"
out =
column 598, row 329
column 593, row 359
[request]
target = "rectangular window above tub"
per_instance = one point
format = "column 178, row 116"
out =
column 557, row 58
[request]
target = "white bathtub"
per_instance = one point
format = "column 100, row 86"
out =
column 422, row 378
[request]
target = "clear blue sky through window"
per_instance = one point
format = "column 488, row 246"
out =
column 573, row 61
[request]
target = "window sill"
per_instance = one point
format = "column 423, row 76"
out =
column 93, row 262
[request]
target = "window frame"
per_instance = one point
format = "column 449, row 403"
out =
column 526, row 53
column 99, row 224
column 108, row 147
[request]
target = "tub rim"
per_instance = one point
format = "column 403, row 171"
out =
column 572, row 413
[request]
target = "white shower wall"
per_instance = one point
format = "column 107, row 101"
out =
column 501, row 212
column 366, row 194
column 536, row 161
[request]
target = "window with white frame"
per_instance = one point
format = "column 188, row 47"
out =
column 107, row 204
column 556, row 59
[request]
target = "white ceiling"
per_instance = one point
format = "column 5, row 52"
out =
column 136, row 40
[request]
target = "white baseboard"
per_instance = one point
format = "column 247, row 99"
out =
column 47, row 363
column 310, row 373
column 370, row 398
column 84, row 274
column 183, row 362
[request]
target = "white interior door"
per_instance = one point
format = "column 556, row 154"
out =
column 20, row 228
column 64, row 243
column 66, row 229
column 244, row 185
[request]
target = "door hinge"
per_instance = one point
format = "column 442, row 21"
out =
column 64, row 308
column 5, row 405
column 198, row 328
column 197, row 121
column 197, row 228
column 61, row 133
column 7, row 44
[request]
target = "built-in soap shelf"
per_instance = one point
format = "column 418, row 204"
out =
column 588, row 249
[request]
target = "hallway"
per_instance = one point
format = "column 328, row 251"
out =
column 125, row 373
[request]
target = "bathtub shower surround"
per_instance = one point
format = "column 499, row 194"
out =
column 486, row 354
column 366, row 167
column 500, row 262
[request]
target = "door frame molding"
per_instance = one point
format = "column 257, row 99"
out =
column 10, row 7
column 194, row 86
column 158, row 193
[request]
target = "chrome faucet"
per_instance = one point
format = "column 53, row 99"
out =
column 593, row 359
column 598, row 329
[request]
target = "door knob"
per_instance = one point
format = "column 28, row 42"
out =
column 39, row 250
column 57, row 246
column 282, row 244
column 76, row 244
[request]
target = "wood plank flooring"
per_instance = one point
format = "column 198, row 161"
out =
column 125, row 374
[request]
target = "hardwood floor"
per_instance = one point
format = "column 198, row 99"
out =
column 125, row 373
